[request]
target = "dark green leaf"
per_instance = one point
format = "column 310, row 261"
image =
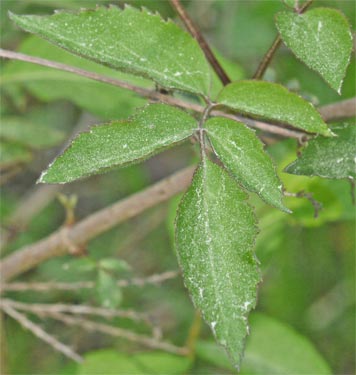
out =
column 151, row 130
column 243, row 154
column 215, row 232
column 131, row 40
column 109, row 294
column 328, row 157
column 273, row 102
column 274, row 348
column 321, row 38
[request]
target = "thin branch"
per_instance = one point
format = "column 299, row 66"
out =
column 275, row 45
column 154, row 95
column 75, row 286
column 40, row 333
column 195, row 32
column 118, row 332
column 76, row 309
column 267, row 58
column 302, row 194
column 58, row 242
column 339, row 110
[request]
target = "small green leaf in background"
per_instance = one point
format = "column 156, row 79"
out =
column 13, row 153
column 29, row 134
column 273, row 102
column 108, row 292
column 215, row 233
column 127, row 40
column 153, row 129
column 243, row 154
column 274, row 348
column 113, row 264
column 110, row 362
column 321, row 38
column 328, row 157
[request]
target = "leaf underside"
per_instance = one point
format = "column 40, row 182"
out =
column 328, row 157
column 242, row 153
column 215, row 233
column 320, row 38
column 130, row 40
column 153, row 129
column 273, row 102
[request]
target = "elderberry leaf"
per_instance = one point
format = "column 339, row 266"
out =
column 321, row 38
column 131, row 40
column 328, row 157
column 242, row 153
column 215, row 234
column 273, row 102
column 120, row 143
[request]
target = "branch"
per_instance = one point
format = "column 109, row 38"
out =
column 40, row 333
column 339, row 110
column 76, row 309
column 58, row 242
column 195, row 32
column 118, row 332
column 75, row 286
column 154, row 95
column 275, row 45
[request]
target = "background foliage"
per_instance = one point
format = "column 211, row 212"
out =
column 304, row 321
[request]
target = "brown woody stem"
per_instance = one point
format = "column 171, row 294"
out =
column 195, row 32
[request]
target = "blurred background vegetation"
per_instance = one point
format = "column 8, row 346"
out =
column 304, row 321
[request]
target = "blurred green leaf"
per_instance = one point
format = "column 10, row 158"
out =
column 29, row 134
column 321, row 38
column 274, row 348
column 13, row 153
column 108, row 292
column 215, row 231
column 110, row 362
column 153, row 129
column 273, row 102
column 242, row 153
column 211, row 352
column 328, row 157
column 114, row 38
column 113, row 264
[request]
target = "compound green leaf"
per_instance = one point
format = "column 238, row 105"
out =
column 273, row 102
column 328, row 157
column 131, row 40
column 215, row 233
column 151, row 130
column 321, row 38
column 29, row 134
column 242, row 153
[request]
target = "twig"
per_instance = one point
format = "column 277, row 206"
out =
column 195, row 32
column 118, row 332
column 77, row 309
column 40, row 333
column 154, row 95
column 275, row 45
column 302, row 194
column 267, row 58
column 50, row 286
column 97, row 223
column 147, row 93
column 339, row 110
